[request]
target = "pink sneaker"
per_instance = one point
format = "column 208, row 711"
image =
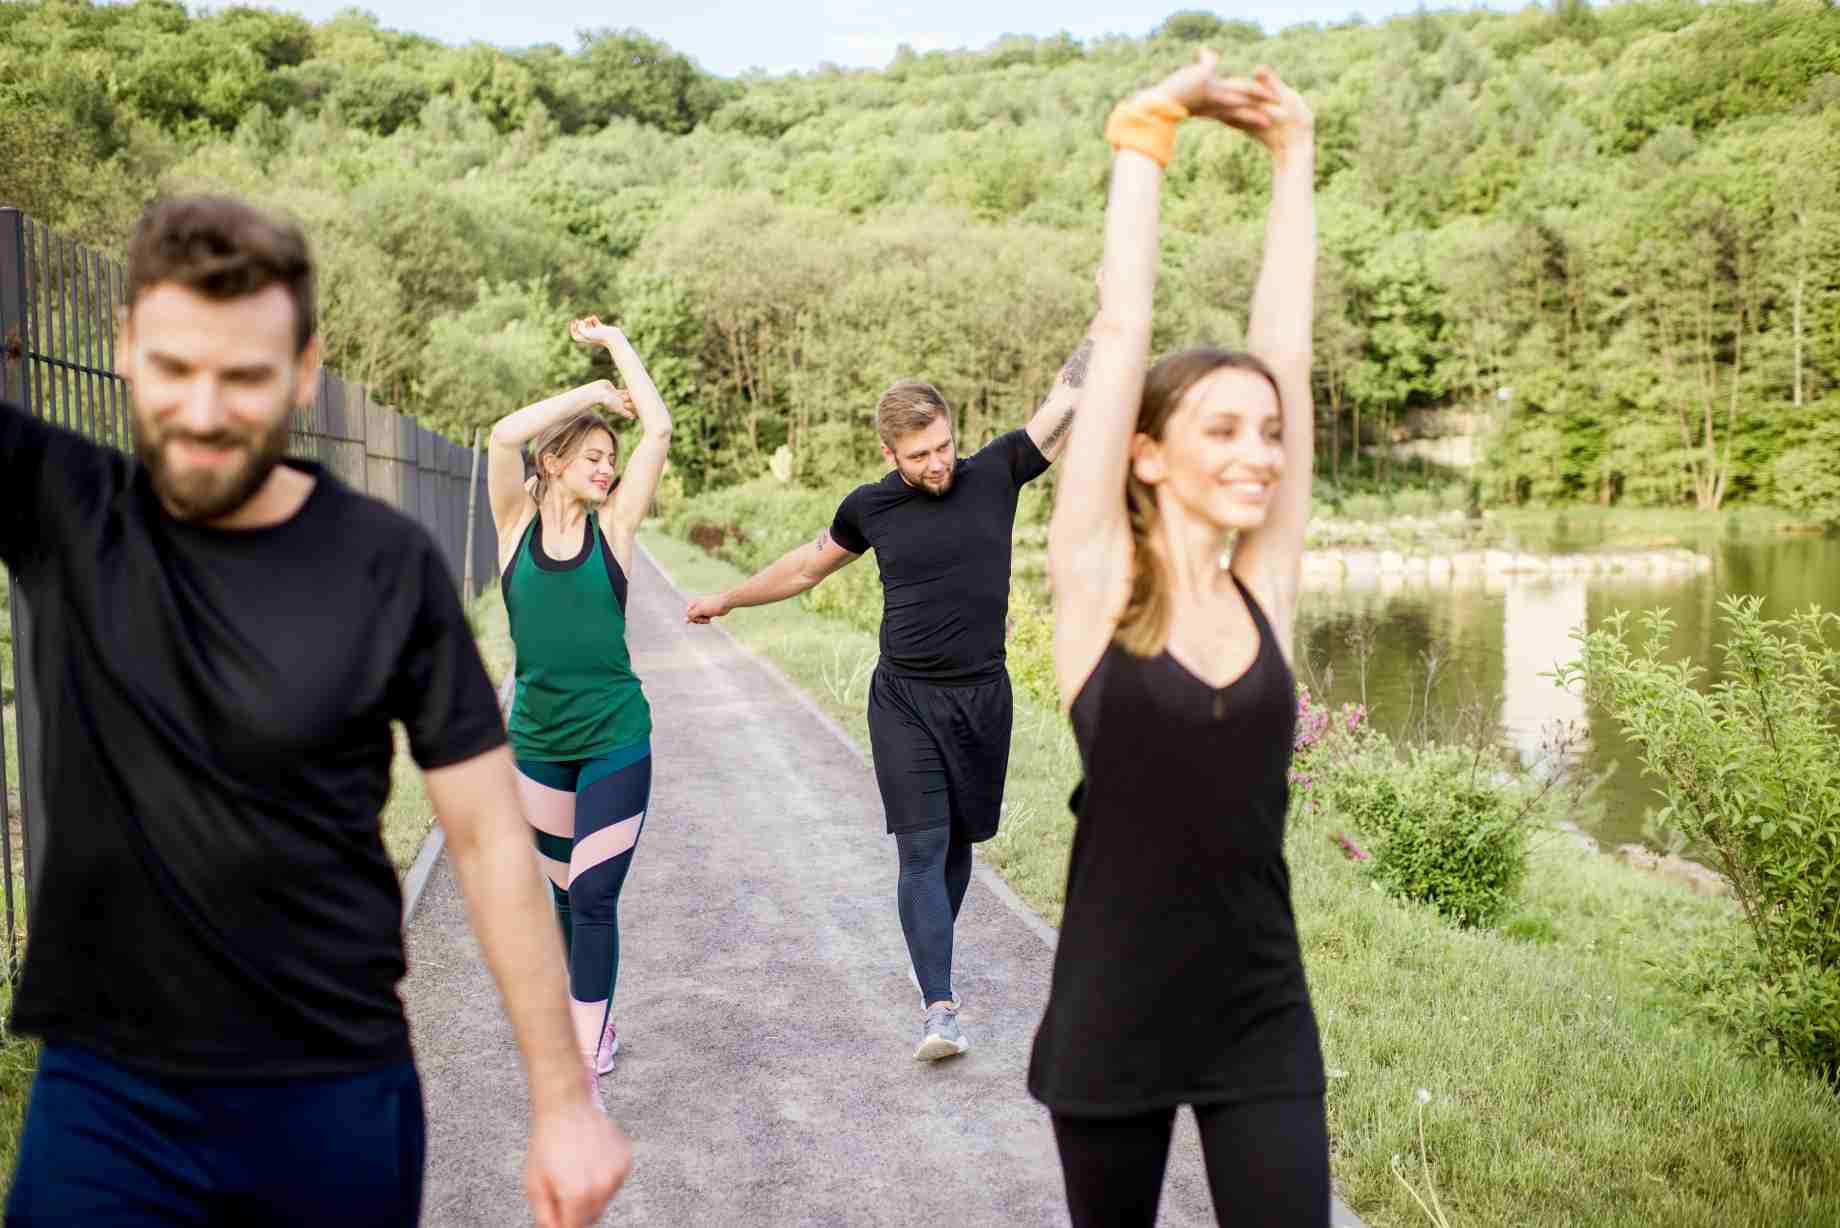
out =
column 610, row 1045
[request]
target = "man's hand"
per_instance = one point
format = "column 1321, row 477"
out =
column 702, row 609
column 578, row 1161
column 590, row 331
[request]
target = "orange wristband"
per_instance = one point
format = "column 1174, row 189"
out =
column 1146, row 124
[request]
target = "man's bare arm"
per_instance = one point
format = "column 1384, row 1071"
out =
column 1053, row 421
column 799, row 570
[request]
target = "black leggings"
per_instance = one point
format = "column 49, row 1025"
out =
column 935, row 872
column 1267, row 1164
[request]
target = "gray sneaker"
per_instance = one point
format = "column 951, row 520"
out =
column 913, row 978
column 941, row 1037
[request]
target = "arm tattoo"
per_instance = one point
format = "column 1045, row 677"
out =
column 1060, row 429
column 824, row 537
column 1073, row 374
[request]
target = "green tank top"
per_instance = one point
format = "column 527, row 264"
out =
column 577, row 696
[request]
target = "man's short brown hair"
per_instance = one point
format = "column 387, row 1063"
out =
column 908, row 406
column 222, row 248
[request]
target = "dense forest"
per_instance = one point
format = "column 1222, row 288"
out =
column 1607, row 237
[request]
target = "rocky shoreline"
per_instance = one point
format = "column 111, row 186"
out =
column 1333, row 567
column 1695, row 877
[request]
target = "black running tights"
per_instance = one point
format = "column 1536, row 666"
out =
column 935, row 871
column 1267, row 1165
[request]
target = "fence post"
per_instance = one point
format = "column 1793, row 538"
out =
column 31, row 737
column 379, row 447
column 15, row 385
column 19, row 339
column 472, row 496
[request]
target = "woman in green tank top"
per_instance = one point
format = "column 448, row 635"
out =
column 579, row 722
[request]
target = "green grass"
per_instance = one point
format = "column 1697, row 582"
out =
column 1569, row 1085
column 1587, row 526
column 18, row 1063
column 408, row 817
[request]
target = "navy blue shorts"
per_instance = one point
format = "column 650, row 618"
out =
column 104, row 1144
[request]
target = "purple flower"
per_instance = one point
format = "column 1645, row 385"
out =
column 1350, row 850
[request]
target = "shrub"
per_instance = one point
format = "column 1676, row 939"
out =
column 1324, row 740
column 754, row 523
column 1447, row 826
column 1367, row 507
column 1031, row 649
column 1750, row 769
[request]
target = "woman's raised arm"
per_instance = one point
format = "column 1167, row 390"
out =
column 505, row 447
column 1089, row 537
column 1270, row 558
column 639, row 479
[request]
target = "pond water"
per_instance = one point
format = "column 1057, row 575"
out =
column 1440, row 655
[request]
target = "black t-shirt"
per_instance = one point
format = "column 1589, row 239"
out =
column 944, row 560
column 214, row 897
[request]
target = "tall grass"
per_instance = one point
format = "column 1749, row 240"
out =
column 1568, row 1085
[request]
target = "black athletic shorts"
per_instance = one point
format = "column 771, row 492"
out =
column 941, row 752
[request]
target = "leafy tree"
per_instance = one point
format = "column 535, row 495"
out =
column 625, row 74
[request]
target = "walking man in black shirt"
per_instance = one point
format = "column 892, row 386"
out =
column 939, row 702
column 223, row 639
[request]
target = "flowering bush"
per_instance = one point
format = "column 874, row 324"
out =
column 1325, row 738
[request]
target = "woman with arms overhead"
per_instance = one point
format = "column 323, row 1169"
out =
column 580, row 725
column 1178, row 978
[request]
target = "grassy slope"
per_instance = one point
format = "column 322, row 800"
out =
column 1567, row 1086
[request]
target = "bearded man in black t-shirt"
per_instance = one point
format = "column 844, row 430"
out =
column 222, row 640
column 940, row 709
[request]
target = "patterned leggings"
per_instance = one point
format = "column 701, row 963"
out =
column 588, row 814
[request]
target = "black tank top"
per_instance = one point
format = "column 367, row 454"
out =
column 1178, row 979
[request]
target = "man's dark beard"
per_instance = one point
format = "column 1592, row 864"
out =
column 208, row 495
column 936, row 493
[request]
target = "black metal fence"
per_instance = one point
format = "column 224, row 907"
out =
column 58, row 303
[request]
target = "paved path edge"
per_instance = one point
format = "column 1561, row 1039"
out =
column 416, row 880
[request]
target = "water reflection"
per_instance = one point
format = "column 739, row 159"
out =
column 1443, row 658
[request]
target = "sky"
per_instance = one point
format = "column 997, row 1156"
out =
column 729, row 37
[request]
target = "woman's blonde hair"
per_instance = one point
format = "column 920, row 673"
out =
column 563, row 441
column 1143, row 629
